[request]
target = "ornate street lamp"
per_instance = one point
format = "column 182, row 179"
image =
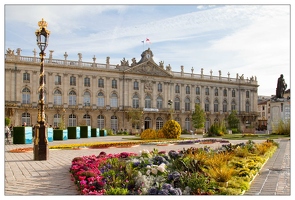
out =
column 170, row 102
column 40, row 141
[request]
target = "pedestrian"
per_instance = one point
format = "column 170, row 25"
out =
column 7, row 132
column 24, row 124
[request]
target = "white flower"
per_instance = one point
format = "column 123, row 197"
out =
column 162, row 167
column 154, row 171
column 148, row 172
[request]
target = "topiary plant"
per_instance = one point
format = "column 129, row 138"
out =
column 172, row 129
column 148, row 134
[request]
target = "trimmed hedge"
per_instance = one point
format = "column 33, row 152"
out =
column 85, row 131
column 22, row 135
column 95, row 132
column 103, row 133
column 74, row 132
column 59, row 134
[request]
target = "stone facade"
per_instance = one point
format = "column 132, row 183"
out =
column 101, row 95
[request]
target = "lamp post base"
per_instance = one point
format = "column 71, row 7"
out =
column 41, row 149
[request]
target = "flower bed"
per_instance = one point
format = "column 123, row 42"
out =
column 193, row 171
column 21, row 150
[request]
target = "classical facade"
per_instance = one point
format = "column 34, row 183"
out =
column 102, row 95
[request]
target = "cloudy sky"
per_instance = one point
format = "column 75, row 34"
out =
column 253, row 40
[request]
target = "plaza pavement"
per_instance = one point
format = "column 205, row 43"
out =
column 26, row 177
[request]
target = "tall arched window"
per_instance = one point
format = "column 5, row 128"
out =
column 114, row 100
column 86, row 98
column 207, row 105
column 100, row 122
column 148, row 102
column 187, row 124
column 159, row 102
column 247, row 107
column 57, row 100
column 187, row 104
column 135, row 101
column 72, row 120
column 56, row 120
column 159, row 123
column 176, row 103
column 177, row 89
column 197, row 101
column 100, row 100
column 72, row 98
column 233, row 105
column 26, row 95
column 26, row 117
column 216, row 106
column 87, row 119
column 114, row 123
column 224, row 106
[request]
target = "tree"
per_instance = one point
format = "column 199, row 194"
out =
column 135, row 116
column 198, row 117
column 7, row 121
column 233, row 119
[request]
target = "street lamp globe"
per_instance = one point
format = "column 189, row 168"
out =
column 42, row 35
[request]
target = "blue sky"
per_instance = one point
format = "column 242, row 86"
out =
column 253, row 40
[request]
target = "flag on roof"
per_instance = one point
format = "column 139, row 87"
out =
column 148, row 40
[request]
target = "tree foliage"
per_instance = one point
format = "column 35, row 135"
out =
column 135, row 116
column 198, row 117
column 233, row 119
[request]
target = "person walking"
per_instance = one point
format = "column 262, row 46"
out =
column 7, row 133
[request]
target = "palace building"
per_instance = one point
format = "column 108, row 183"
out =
column 103, row 95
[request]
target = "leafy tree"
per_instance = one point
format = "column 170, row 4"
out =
column 233, row 119
column 135, row 116
column 7, row 121
column 198, row 117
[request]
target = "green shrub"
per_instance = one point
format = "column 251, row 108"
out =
column 172, row 129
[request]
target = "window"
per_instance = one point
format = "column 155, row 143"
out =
column 114, row 100
column 224, row 106
column 57, row 100
column 198, row 90
column 233, row 105
column 100, row 100
column 86, row 99
column 114, row 123
column 216, row 92
column 114, row 84
column 86, row 82
column 206, row 91
column 72, row 98
column 87, row 119
column 247, row 94
column 73, row 81
column 135, row 85
column 160, row 87
column 247, row 107
column 148, row 102
column 159, row 123
column 135, row 101
column 159, row 102
column 225, row 92
column 176, row 103
column 100, row 122
column 56, row 120
column 72, row 120
column 187, row 104
column 26, row 77
column 101, row 83
column 26, row 96
column 178, row 120
column 177, row 89
column 187, row 89
column 207, row 103
column 26, row 117
column 57, row 80
column 187, row 124
column 216, row 105
column 233, row 93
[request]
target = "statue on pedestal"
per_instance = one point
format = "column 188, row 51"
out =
column 281, row 87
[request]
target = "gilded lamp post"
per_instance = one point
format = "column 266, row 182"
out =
column 170, row 102
column 40, row 141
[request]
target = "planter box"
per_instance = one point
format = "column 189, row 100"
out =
column 85, row 131
column 50, row 134
column 95, row 132
column 103, row 133
column 73, row 132
column 22, row 135
column 59, row 134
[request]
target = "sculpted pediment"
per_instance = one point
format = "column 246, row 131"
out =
column 148, row 68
